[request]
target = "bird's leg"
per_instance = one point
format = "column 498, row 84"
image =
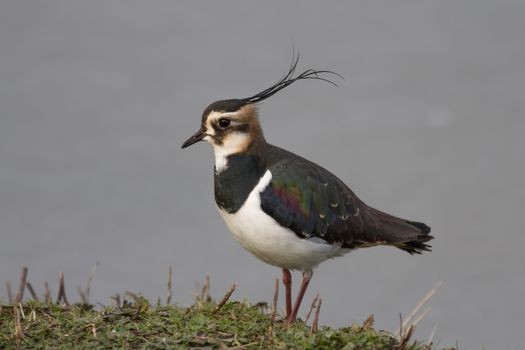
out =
column 307, row 275
column 287, row 281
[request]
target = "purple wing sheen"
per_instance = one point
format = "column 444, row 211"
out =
column 312, row 202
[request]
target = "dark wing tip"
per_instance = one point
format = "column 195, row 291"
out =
column 418, row 245
column 420, row 226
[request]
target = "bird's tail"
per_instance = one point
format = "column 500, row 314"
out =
column 410, row 236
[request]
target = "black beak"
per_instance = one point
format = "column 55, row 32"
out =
column 198, row 136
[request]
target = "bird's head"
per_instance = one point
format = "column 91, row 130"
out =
column 232, row 126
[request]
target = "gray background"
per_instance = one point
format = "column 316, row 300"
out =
column 97, row 96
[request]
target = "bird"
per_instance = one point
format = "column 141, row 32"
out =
column 286, row 210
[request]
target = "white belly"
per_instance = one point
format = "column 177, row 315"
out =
column 262, row 236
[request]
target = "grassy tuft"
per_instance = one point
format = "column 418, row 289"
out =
column 135, row 323
column 138, row 324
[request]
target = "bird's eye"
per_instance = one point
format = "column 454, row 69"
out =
column 224, row 123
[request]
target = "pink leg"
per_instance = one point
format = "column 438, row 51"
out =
column 307, row 275
column 287, row 281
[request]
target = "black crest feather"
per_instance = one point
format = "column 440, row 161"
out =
column 289, row 79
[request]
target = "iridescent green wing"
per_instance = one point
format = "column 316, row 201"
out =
column 312, row 202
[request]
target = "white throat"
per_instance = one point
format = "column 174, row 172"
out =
column 234, row 143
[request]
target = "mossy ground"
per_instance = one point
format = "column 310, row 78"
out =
column 138, row 324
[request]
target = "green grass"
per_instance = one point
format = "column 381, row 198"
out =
column 140, row 325
column 207, row 324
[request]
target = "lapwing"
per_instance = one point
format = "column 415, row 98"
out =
column 288, row 211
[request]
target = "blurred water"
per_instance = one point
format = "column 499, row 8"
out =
column 97, row 96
